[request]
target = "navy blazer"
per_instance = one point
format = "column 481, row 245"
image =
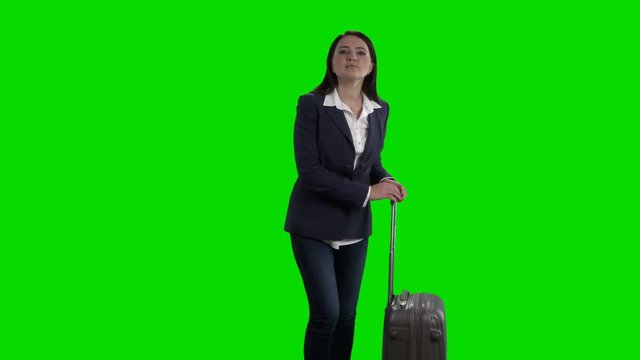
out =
column 327, row 198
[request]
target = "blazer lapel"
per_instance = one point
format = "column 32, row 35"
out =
column 341, row 122
column 373, row 136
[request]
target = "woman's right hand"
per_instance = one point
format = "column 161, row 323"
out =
column 387, row 190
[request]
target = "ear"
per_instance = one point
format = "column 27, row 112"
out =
column 371, row 68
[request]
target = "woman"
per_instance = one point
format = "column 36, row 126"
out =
column 338, row 137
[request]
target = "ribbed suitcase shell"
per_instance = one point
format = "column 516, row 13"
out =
column 414, row 328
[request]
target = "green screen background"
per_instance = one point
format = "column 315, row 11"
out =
column 149, row 160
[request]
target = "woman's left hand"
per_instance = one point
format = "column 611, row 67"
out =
column 403, row 191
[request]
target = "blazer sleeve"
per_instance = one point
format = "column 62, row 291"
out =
column 312, row 174
column 378, row 172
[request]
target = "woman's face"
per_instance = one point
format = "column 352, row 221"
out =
column 351, row 59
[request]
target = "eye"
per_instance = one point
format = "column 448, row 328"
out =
column 342, row 52
column 362, row 53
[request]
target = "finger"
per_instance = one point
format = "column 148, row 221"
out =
column 400, row 188
column 402, row 194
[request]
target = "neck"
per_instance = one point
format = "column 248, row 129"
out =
column 350, row 91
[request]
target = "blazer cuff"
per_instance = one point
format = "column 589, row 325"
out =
column 366, row 200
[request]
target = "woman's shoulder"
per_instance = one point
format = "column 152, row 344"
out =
column 312, row 96
column 311, row 99
column 382, row 103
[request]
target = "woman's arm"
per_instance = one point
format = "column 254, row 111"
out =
column 392, row 190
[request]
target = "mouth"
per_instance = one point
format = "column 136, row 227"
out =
column 352, row 67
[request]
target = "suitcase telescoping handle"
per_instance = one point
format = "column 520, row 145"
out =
column 392, row 249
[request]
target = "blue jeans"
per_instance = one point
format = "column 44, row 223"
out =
column 332, row 281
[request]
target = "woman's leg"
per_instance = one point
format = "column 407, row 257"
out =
column 349, row 267
column 315, row 261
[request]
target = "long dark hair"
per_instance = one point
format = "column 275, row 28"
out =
column 330, row 81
